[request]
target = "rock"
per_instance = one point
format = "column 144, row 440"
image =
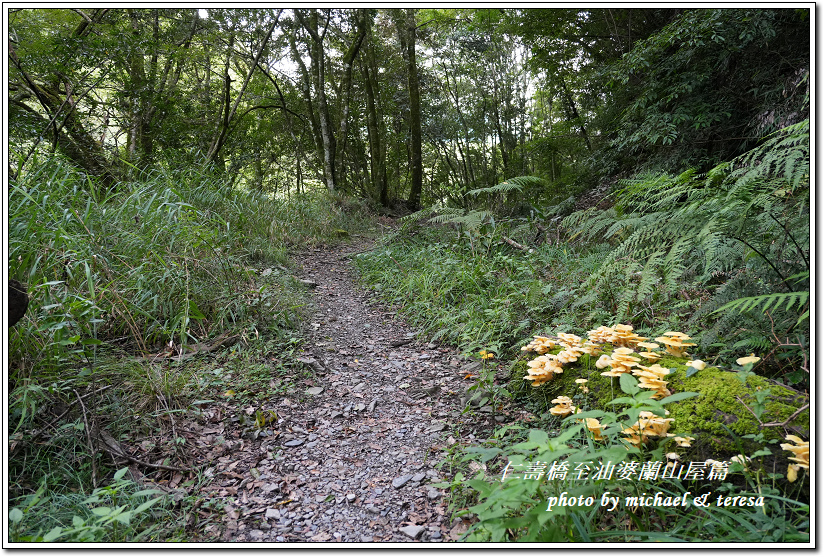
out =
column 418, row 477
column 372, row 405
column 272, row 514
column 351, row 497
column 413, row 531
column 399, row 482
column 294, row 443
column 308, row 283
column 433, row 494
column 268, row 488
column 366, row 539
column 440, row 426
column 314, row 391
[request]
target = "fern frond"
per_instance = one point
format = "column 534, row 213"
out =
column 766, row 302
column 512, row 184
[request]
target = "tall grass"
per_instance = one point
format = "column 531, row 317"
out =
column 172, row 259
column 491, row 299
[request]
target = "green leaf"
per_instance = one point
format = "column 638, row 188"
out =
column 53, row 534
column 15, row 515
column 120, row 473
column 629, row 384
column 102, row 511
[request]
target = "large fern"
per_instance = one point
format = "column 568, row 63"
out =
column 747, row 219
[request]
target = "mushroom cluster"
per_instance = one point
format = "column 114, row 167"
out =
column 619, row 335
column 620, row 361
column 595, row 427
column 563, row 406
column 801, row 455
column 541, row 345
column 648, row 425
column 543, row 369
column 685, row 441
column 676, row 343
column 649, row 354
column 652, row 378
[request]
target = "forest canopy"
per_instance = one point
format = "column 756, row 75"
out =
column 420, row 105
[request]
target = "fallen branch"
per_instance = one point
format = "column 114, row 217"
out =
column 199, row 348
column 785, row 423
column 516, row 245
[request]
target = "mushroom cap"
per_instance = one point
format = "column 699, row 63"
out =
column 648, row 345
column 603, row 361
column 656, row 369
column 651, row 356
column 751, row 359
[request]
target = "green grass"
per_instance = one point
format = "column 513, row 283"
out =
column 175, row 258
column 491, row 299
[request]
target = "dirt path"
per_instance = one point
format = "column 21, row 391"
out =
column 354, row 456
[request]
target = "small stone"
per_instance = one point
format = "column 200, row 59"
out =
column 272, row 514
column 433, row 494
column 358, row 387
column 418, row 477
column 268, row 488
column 366, row 539
column 314, row 391
column 372, row 405
column 436, row 535
column 398, row 482
column 351, row 497
column 294, row 443
column 360, row 407
column 440, row 426
column 413, row 531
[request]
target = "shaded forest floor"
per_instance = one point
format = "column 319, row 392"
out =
column 353, row 454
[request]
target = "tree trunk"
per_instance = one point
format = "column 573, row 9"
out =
column 415, row 155
column 377, row 152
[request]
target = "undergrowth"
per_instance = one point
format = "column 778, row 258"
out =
column 123, row 283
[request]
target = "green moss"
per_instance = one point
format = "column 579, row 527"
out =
column 720, row 402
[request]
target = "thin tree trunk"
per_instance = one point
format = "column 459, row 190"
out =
column 217, row 145
column 416, row 161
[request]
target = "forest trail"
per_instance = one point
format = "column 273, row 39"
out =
column 354, row 456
